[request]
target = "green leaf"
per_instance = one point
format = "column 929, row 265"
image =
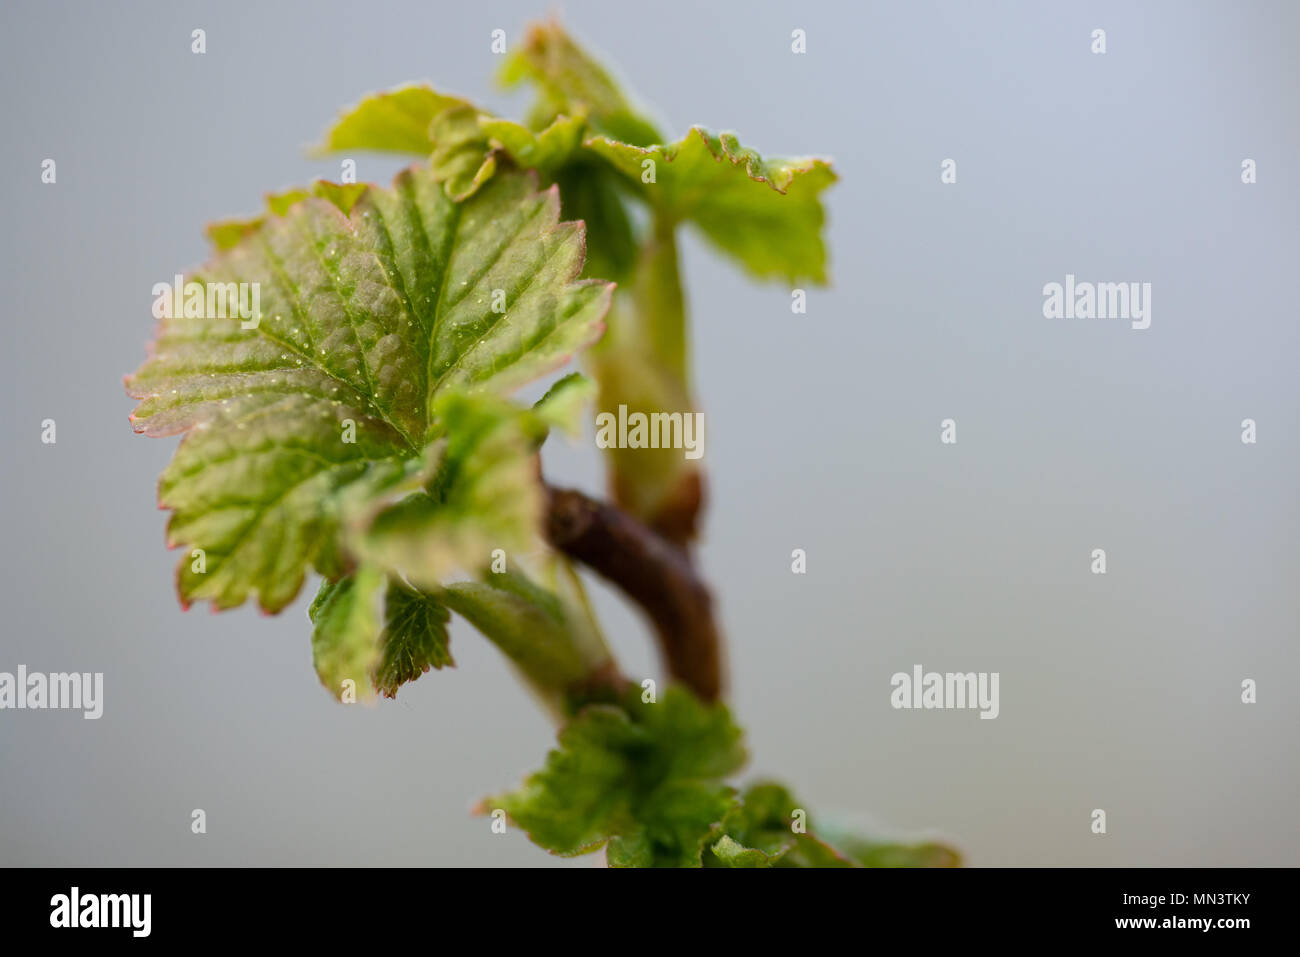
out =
column 569, row 80
column 759, row 831
column 414, row 639
column 396, row 121
column 580, row 798
column 592, row 192
column 566, row 403
column 692, row 740
column 479, row 493
column 546, row 150
column 644, row 777
column 767, row 214
column 350, row 640
column 507, row 240
column 461, row 140
column 468, row 142
column 462, row 156
column 577, row 94
column 365, row 320
column 464, row 143
column 865, row 852
column 227, row 233
column 345, row 640
column 731, row 853
column 671, row 825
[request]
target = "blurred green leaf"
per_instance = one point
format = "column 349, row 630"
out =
column 644, row 777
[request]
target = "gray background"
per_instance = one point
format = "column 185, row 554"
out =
column 1119, row 692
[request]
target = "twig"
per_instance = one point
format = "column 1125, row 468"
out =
column 655, row 573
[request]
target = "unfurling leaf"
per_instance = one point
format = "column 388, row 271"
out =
column 461, row 141
column 546, row 150
column 461, row 156
column 467, row 144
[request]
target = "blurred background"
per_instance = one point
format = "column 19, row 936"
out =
column 1119, row 692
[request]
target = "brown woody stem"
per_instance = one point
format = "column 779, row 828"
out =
column 655, row 573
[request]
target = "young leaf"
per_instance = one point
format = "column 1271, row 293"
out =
column 396, row 121
column 417, row 120
column 731, row 853
column 480, row 493
column 671, row 825
column 759, row 832
column 580, row 798
column 570, row 80
column 765, row 213
column 870, row 853
column 463, row 142
column 644, row 777
column 414, row 640
column 350, row 640
column 546, row 150
column 572, row 86
column 467, row 143
column 345, row 640
column 365, row 320
column 566, row 402
column 461, row 157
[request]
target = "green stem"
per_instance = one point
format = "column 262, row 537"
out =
column 549, row 640
column 660, row 303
